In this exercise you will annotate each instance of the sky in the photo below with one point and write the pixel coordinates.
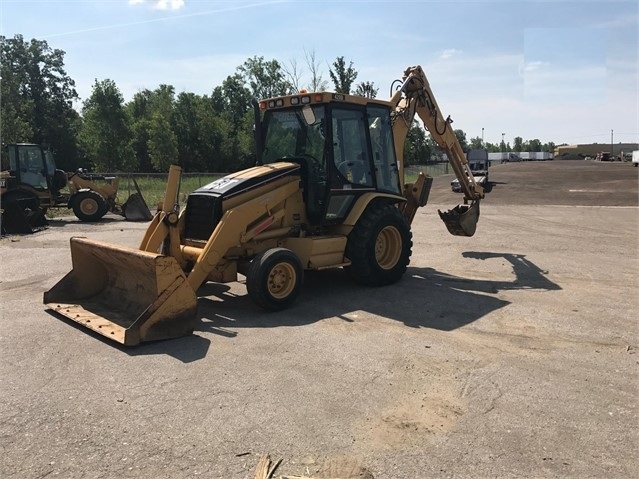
(564, 71)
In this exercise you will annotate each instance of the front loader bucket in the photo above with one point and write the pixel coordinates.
(462, 219)
(125, 294)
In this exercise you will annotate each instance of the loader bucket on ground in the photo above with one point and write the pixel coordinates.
(135, 208)
(125, 294)
(462, 219)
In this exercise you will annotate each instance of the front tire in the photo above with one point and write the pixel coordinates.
(379, 246)
(22, 213)
(89, 206)
(274, 279)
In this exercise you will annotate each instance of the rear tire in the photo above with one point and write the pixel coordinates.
(379, 246)
(274, 279)
(89, 206)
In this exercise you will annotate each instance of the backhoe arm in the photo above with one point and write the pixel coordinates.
(416, 97)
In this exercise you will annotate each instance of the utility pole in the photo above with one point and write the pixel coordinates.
(503, 146)
(612, 152)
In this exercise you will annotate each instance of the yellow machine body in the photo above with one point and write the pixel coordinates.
(335, 198)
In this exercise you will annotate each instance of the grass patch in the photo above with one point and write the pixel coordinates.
(153, 188)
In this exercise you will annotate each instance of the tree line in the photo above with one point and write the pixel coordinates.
(201, 133)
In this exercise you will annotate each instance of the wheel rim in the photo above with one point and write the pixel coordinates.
(281, 280)
(88, 206)
(388, 247)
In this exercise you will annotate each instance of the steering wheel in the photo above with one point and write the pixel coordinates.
(351, 165)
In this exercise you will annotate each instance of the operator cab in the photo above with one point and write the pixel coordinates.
(33, 166)
(345, 149)
(27, 163)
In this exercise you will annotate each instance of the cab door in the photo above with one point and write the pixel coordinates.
(351, 171)
(363, 156)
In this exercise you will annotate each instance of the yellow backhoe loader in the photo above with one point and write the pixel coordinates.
(327, 191)
(30, 184)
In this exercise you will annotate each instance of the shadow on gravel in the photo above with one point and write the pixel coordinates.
(186, 349)
(424, 298)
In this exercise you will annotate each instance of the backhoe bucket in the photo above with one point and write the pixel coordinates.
(125, 294)
(462, 219)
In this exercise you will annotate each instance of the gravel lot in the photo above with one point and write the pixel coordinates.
(509, 354)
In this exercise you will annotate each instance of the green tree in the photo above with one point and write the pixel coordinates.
(476, 143)
(342, 76)
(37, 98)
(436, 153)
(186, 128)
(214, 139)
(150, 112)
(492, 147)
(461, 138)
(162, 143)
(549, 147)
(232, 98)
(264, 79)
(416, 147)
(105, 135)
(534, 145)
(518, 143)
(139, 110)
(366, 89)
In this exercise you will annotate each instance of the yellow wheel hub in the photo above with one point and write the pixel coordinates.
(281, 280)
(388, 247)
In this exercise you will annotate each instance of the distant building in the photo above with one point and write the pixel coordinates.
(591, 149)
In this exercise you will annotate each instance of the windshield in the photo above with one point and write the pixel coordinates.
(291, 133)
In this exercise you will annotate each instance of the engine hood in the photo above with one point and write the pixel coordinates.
(240, 181)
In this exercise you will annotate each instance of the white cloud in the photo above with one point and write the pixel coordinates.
(161, 4)
(532, 66)
(168, 4)
(448, 53)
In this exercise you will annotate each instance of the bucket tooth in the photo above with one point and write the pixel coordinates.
(125, 294)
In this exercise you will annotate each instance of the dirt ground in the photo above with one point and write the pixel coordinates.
(509, 354)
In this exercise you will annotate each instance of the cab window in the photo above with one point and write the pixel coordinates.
(383, 149)
(350, 148)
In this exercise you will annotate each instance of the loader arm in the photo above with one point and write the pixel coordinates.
(415, 97)
(240, 225)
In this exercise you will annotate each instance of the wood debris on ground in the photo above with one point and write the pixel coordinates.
(266, 467)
